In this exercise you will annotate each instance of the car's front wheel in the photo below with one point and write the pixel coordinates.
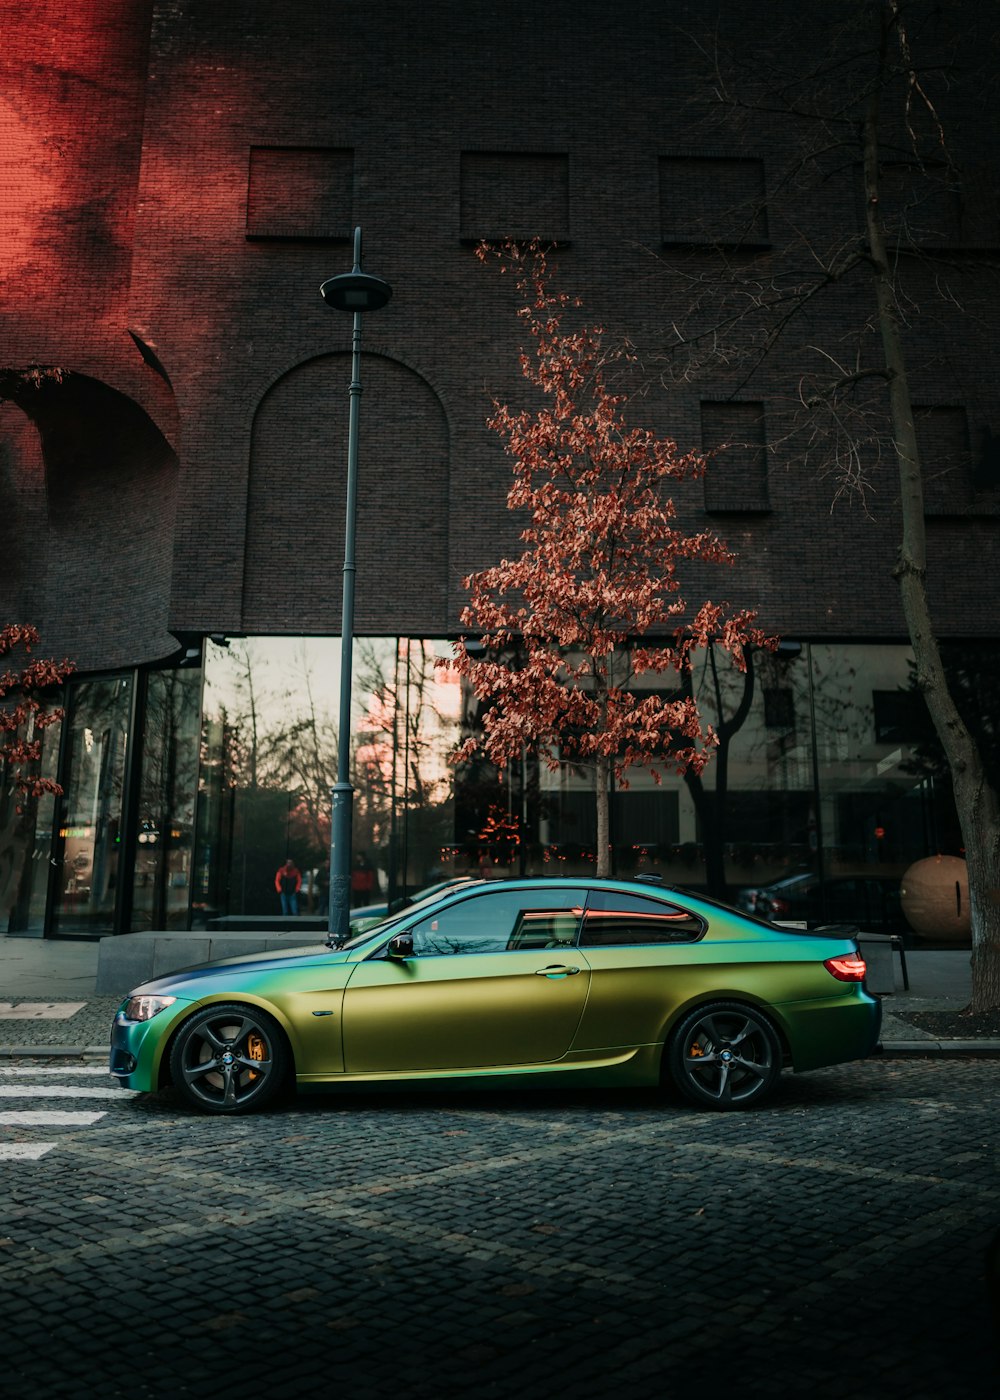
(229, 1059)
(725, 1055)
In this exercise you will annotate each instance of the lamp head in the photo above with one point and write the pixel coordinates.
(356, 290)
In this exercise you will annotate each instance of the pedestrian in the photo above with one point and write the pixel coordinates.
(288, 882)
(362, 880)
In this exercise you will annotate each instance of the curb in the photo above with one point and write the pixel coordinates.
(900, 1049)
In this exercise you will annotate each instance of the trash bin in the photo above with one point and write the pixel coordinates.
(876, 949)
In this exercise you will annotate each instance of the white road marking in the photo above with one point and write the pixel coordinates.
(26, 1084)
(48, 1118)
(24, 1151)
(56, 1091)
(40, 1010)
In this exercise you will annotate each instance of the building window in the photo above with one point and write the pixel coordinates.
(986, 467)
(945, 459)
(920, 204)
(299, 192)
(900, 717)
(713, 201)
(736, 477)
(779, 707)
(980, 207)
(511, 194)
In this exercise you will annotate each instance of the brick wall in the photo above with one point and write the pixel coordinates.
(189, 207)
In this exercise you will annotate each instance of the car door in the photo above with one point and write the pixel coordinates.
(494, 980)
(643, 964)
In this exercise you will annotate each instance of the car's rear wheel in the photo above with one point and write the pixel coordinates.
(230, 1059)
(725, 1055)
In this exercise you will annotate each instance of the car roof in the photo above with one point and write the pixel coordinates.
(648, 885)
(626, 884)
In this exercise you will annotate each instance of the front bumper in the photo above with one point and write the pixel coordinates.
(137, 1047)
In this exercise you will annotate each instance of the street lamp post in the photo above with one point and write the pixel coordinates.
(357, 292)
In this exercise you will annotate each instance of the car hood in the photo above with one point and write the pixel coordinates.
(181, 981)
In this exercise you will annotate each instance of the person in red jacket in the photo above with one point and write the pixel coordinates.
(288, 882)
(362, 880)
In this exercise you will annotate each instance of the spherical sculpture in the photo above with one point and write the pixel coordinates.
(935, 898)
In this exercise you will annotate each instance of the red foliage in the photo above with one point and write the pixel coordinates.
(24, 711)
(594, 600)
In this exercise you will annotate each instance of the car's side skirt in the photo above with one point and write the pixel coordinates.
(638, 1066)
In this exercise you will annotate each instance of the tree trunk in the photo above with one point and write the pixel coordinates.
(975, 800)
(709, 810)
(601, 794)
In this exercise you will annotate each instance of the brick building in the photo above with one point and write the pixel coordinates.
(179, 179)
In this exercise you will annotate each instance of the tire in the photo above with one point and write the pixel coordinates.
(725, 1056)
(230, 1059)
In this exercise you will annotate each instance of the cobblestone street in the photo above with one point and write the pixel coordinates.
(574, 1245)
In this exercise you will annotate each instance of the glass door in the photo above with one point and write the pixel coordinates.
(88, 838)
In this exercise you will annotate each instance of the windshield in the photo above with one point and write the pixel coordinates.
(385, 925)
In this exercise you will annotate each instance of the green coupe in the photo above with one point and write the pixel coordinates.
(525, 982)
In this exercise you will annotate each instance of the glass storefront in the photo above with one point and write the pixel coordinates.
(269, 757)
(112, 853)
(87, 848)
(163, 825)
(184, 791)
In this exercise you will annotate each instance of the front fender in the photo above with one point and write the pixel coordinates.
(160, 1066)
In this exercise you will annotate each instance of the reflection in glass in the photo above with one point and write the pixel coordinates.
(269, 756)
(821, 783)
(88, 837)
(817, 780)
(165, 817)
(26, 845)
(874, 815)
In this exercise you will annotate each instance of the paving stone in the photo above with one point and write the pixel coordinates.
(515, 1247)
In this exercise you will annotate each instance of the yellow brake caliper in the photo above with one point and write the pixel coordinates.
(255, 1049)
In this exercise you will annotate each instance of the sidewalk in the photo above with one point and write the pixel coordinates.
(56, 978)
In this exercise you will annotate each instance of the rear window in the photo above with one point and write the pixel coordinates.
(619, 920)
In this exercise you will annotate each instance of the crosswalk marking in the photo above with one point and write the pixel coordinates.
(56, 1091)
(48, 1117)
(40, 1107)
(24, 1151)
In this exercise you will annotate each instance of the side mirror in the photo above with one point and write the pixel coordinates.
(400, 946)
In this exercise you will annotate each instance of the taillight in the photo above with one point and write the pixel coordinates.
(779, 907)
(849, 968)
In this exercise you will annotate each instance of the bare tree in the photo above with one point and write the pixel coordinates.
(864, 102)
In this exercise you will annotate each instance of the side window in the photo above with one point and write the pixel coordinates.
(614, 920)
(507, 920)
(545, 928)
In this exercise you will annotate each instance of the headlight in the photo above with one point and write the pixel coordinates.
(144, 1008)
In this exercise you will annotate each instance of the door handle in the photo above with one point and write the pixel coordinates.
(559, 970)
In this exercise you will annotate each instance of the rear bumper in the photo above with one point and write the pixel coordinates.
(833, 1031)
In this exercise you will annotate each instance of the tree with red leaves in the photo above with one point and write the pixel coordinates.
(24, 712)
(594, 600)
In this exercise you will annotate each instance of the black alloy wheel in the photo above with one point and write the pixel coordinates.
(229, 1059)
(725, 1056)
